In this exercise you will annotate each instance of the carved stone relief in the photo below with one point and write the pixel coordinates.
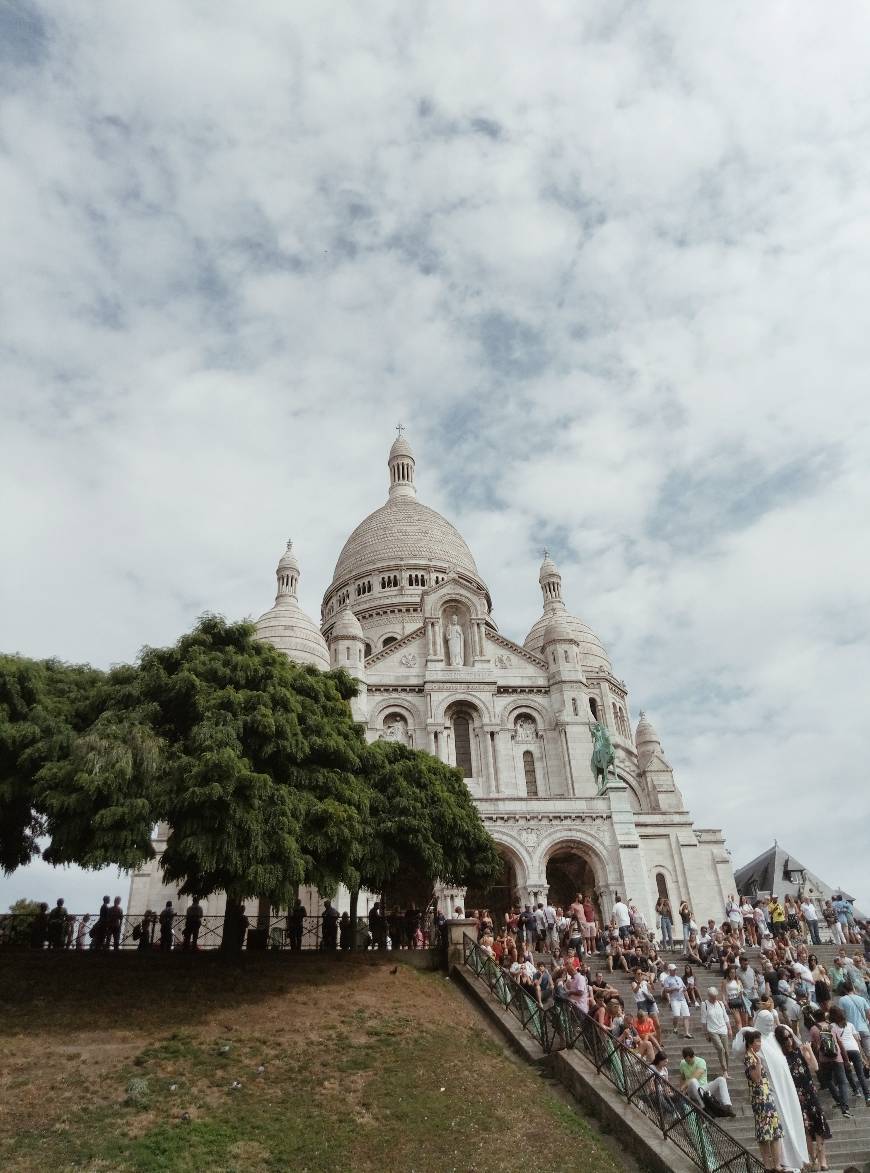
(409, 660)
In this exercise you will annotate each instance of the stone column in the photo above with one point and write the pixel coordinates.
(456, 933)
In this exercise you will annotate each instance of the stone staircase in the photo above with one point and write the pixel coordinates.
(850, 1140)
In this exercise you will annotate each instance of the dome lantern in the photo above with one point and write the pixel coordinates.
(287, 574)
(551, 585)
(401, 465)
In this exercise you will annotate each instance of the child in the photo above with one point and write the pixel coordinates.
(692, 995)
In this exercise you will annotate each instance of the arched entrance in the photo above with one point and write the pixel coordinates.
(499, 897)
(569, 872)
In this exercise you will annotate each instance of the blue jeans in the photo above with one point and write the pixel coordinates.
(813, 926)
(667, 932)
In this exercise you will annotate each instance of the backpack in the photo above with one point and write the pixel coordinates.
(828, 1048)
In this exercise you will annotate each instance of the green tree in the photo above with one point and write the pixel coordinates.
(255, 763)
(44, 707)
(16, 925)
(423, 826)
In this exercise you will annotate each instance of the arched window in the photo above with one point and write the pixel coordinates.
(462, 742)
(347, 653)
(368, 650)
(383, 584)
(410, 580)
(662, 887)
(422, 580)
(593, 707)
(574, 706)
(388, 639)
(531, 776)
(359, 656)
(565, 654)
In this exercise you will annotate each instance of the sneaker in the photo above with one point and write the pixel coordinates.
(847, 1114)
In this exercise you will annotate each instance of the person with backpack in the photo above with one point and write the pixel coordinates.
(827, 1045)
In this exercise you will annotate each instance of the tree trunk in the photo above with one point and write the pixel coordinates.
(231, 941)
(264, 913)
(354, 899)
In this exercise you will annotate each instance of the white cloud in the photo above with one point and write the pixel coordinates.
(611, 267)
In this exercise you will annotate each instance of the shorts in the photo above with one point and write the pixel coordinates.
(680, 1008)
(588, 930)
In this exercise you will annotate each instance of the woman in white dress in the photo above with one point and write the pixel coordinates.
(794, 1141)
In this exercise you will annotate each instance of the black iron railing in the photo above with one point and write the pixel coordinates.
(563, 1025)
(16, 930)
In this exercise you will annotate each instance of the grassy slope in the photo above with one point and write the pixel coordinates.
(104, 1057)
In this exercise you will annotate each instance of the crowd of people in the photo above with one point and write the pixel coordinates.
(798, 1027)
(169, 929)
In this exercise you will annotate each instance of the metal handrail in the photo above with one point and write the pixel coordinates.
(563, 1025)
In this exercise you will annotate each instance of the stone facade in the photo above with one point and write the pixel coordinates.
(409, 616)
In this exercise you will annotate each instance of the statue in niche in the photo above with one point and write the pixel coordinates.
(455, 643)
(526, 729)
(395, 729)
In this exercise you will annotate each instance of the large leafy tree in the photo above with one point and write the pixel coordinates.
(254, 762)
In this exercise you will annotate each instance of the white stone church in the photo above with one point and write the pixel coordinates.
(409, 615)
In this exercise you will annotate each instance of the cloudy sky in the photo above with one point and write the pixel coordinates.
(611, 267)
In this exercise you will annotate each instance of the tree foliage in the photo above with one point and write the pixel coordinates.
(254, 762)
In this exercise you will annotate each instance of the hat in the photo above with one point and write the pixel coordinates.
(713, 990)
(672, 966)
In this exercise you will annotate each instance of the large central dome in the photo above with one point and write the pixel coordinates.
(403, 531)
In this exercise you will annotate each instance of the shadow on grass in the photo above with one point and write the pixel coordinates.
(51, 990)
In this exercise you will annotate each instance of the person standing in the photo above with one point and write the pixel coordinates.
(192, 923)
(675, 991)
(329, 919)
(577, 990)
(114, 920)
(552, 940)
(716, 1023)
(666, 921)
(166, 918)
(857, 1011)
(296, 925)
(57, 926)
(777, 916)
(82, 932)
(39, 927)
(850, 1042)
(768, 1129)
(831, 1058)
(816, 1126)
(101, 928)
(344, 935)
(808, 910)
(622, 917)
(794, 1141)
(146, 931)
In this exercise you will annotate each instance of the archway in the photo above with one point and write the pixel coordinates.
(569, 872)
(499, 897)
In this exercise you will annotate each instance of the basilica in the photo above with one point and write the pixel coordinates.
(409, 615)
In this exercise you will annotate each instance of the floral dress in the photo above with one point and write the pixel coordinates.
(767, 1125)
(815, 1122)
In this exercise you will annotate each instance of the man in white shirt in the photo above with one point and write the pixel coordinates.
(717, 1024)
(674, 989)
(812, 919)
(623, 919)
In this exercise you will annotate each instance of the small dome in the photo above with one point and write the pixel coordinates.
(347, 626)
(287, 628)
(645, 733)
(401, 447)
(548, 568)
(592, 653)
(557, 629)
